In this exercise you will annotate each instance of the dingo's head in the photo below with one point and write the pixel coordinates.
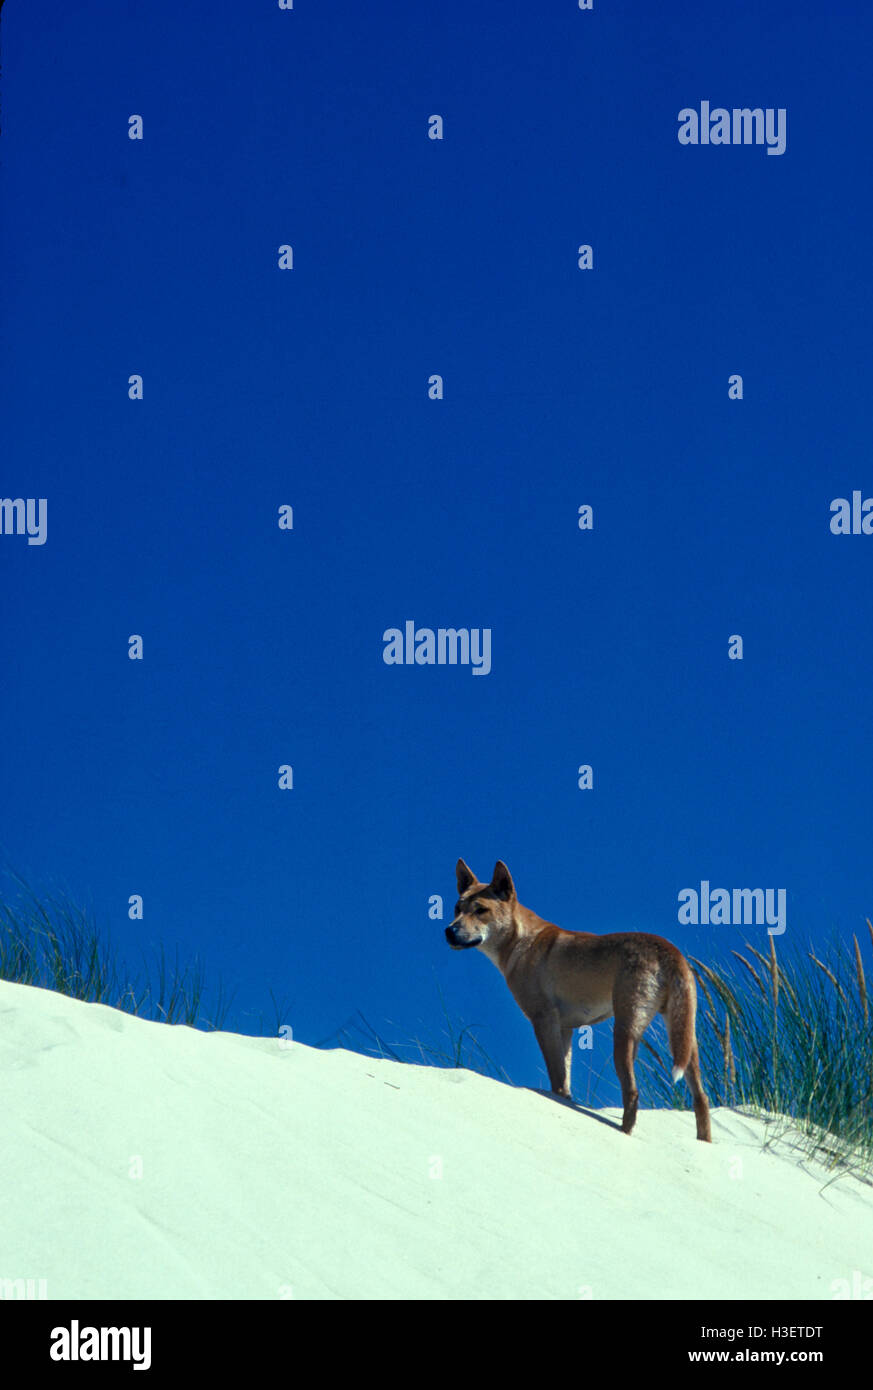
(482, 909)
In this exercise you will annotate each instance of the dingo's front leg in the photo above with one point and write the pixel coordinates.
(556, 1047)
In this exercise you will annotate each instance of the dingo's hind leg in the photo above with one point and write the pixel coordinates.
(624, 1048)
(701, 1104)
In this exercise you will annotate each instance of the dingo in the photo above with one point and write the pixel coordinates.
(562, 980)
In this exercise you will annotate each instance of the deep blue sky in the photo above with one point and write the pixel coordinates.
(309, 387)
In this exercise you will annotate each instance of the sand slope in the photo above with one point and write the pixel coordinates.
(270, 1172)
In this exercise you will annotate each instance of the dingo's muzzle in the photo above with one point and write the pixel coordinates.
(458, 942)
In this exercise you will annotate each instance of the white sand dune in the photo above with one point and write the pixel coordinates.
(270, 1172)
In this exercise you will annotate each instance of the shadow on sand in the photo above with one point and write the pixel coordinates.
(574, 1105)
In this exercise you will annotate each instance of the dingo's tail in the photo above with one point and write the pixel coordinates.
(681, 1013)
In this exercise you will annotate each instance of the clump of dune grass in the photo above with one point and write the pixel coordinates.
(49, 941)
(457, 1045)
(786, 1033)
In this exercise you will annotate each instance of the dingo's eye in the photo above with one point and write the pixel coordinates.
(480, 910)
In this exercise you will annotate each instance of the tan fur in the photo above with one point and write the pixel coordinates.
(562, 980)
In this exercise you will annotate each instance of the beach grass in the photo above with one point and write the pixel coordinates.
(47, 940)
(457, 1044)
(784, 1032)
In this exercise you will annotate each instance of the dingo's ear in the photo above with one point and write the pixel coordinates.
(501, 882)
(465, 876)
